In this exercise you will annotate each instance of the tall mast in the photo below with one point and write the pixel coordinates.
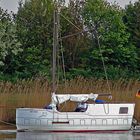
(55, 43)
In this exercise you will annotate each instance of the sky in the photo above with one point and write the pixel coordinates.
(11, 5)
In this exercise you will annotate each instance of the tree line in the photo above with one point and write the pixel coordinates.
(90, 30)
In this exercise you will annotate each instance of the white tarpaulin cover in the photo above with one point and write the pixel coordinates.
(61, 98)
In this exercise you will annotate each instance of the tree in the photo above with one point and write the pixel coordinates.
(34, 30)
(75, 45)
(9, 44)
(105, 23)
(132, 21)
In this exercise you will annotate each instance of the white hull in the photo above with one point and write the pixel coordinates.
(97, 117)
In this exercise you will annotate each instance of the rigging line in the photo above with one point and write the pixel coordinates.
(63, 62)
(63, 69)
(74, 34)
(59, 46)
(57, 53)
(58, 71)
(103, 62)
(70, 22)
(7, 123)
(106, 110)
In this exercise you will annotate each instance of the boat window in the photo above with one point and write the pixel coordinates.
(48, 106)
(81, 107)
(123, 110)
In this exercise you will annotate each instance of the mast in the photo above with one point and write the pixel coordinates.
(55, 43)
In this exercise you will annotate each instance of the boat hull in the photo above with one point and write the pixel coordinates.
(98, 117)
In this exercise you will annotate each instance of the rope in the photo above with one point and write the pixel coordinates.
(103, 62)
(62, 55)
(63, 62)
(106, 111)
(63, 69)
(58, 77)
(74, 34)
(70, 22)
(7, 123)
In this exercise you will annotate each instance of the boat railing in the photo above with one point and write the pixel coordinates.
(113, 102)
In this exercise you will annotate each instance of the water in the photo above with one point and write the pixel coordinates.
(13, 135)
(10, 133)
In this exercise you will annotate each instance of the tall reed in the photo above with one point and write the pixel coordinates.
(37, 93)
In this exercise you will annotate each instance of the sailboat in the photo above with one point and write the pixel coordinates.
(87, 117)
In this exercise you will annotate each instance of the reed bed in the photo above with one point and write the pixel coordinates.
(37, 93)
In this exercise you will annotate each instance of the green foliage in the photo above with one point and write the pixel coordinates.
(74, 46)
(132, 21)
(10, 47)
(101, 30)
(73, 73)
(34, 30)
(105, 22)
(9, 44)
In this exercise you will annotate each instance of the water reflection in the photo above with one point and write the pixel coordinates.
(13, 135)
(74, 136)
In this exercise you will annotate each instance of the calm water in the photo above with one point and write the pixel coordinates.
(13, 135)
(9, 133)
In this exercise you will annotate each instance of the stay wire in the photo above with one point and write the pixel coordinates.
(105, 70)
(63, 69)
(58, 53)
(7, 123)
(63, 61)
(70, 22)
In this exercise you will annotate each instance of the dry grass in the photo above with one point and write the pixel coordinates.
(36, 93)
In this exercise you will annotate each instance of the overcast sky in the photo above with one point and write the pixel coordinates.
(12, 5)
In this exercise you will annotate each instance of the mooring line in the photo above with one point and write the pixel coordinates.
(12, 124)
